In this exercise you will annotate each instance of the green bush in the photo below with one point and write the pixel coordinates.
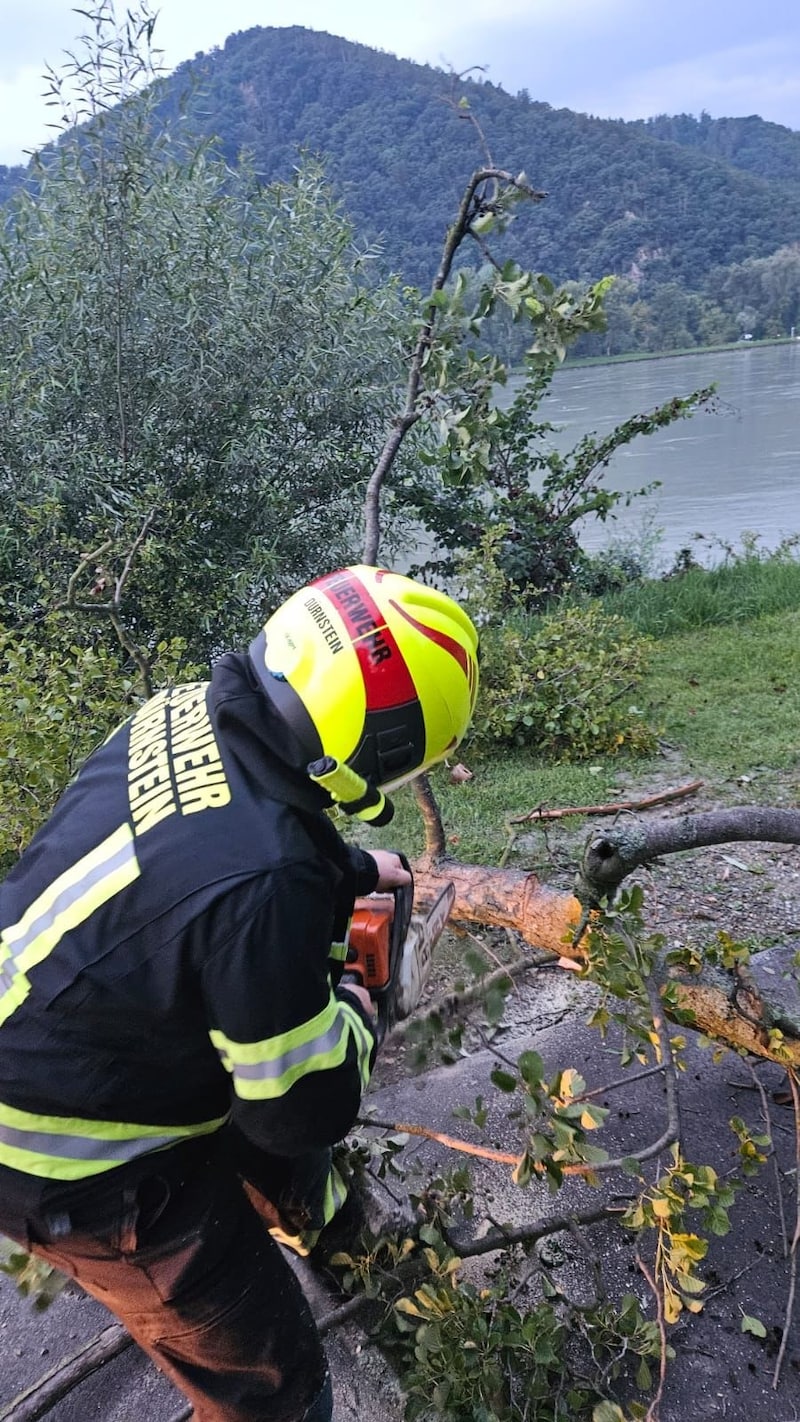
(57, 702)
(565, 685)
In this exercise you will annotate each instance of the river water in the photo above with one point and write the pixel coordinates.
(722, 473)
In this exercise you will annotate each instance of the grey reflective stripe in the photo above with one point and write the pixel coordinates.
(68, 896)
(8, 973)
(83, 1147)
(278, 1066)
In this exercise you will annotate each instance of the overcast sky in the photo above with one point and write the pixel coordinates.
(614, 58)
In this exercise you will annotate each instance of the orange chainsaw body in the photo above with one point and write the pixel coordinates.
(390, 948)
(370, 941)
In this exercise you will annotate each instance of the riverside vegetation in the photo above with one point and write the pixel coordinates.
(196, 374)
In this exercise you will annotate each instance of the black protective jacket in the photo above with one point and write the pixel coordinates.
(166, 957)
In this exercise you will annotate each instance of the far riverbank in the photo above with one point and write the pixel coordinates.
(729, 347)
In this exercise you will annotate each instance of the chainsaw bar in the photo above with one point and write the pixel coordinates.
(424, 931)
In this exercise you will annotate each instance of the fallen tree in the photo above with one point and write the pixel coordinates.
(721, 1001)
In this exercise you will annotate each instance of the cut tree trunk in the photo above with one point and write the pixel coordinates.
(725, 1005)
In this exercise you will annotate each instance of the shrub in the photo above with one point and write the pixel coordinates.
(562, 682)
(58, 701)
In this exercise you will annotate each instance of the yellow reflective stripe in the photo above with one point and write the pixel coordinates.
(338, 951)
(335, 1195)
(272, 1049)
(71, 1148)
(363, 1040)
(72, 898)
(266, 1070)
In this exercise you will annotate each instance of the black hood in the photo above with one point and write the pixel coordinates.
(260, 739)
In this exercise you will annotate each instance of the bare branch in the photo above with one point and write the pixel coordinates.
(759, 1086)
(472, 204)
(530, 1234)
(652, 1411)
(431, 817)
(136, 545)
(608, 858)
(787, 1325)
(613, 807)
(94, 557)
(112, 605)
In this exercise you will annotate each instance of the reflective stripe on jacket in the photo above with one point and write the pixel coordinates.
(164, 947)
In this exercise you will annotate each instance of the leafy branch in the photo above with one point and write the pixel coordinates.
(488, 195)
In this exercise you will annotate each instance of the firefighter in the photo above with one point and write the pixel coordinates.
(177, 1053)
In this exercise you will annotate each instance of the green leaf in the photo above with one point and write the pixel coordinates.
(531, 1068)
(608, 1412)
(644, 1377)
(753, 1325)
(503, 1080)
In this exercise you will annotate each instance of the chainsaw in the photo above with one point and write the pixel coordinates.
(390, 948)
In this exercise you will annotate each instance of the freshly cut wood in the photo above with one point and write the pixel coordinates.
(504, 898)
(724, 1005)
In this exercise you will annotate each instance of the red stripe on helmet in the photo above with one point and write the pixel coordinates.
(442, 640)
(387, 680)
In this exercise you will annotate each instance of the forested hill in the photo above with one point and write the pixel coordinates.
(399, 150)
(674, 204)
(751, 143)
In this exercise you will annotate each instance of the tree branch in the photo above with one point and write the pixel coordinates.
(472, 204)
(613, 807)
(787, 1325)
(608, 858)
(713, 1000)
(431, 817)
(112, 606)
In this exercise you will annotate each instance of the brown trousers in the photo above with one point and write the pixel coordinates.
(180, 1252)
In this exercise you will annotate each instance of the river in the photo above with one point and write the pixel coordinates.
(721, 473)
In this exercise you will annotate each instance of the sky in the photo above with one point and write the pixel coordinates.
(612, 58)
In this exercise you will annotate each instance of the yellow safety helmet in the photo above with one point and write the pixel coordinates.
(373, 672)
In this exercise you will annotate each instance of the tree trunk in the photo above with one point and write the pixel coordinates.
(726, 1005)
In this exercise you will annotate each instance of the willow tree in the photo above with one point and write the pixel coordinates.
(181, 344)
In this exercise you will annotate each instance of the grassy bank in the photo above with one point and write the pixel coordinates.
(723, 693)
(740, 592)
(729, 697)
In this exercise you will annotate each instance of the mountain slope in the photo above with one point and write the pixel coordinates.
(752, 144)
(399, 150)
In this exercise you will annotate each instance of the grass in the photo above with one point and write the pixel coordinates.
(747, 589)
(475, 814)
(729, 696)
